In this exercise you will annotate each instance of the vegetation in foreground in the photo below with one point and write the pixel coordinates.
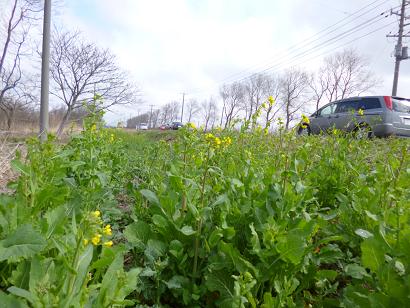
(229, 219)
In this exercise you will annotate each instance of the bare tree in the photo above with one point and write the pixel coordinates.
(20, 19)
(273, 90)
(193, 108)
(80, 70)
(346, 74)
(169, 112)
(209, 112)
(233, 97)
(293, 85)
(256, 89)
(319, 84)
(155, 118)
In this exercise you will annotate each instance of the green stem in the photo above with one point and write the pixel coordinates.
(199, 227)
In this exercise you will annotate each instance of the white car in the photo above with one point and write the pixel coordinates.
(142, 126)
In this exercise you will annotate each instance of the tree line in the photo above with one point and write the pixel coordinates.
(79, 70)
(341, 75)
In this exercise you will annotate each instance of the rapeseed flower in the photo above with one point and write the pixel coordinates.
(191, 125)
(96, 239)
(360, 112)
(305, 119)
(96, 213)
(108, 244)
(107, 230)
(271, 100)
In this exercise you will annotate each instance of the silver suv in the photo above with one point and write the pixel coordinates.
(379, 116)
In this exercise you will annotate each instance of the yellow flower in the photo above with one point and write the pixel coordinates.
(96, 239)
(303, 126)
(227, 140)
(209, 136)
(334, 131)
(111, 138)
(264, 105)
(360, 112)
(108, 244)
(191, 125)
(85, 242)
(93, 127)
(107, 230)
(271, 100)
(217, 141)
(96, 214)
(305, 119)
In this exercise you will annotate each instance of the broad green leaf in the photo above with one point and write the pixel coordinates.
(291, 246)
(222, 283)
(372, 253)
(356, 271)
(18, 166)
(138, 234)
(155, 249)
(151, 196)
(326, 274)
(363, 233)
(109, 283)
(187, 230)
(23, 243)
(22, 293)
(8, 300)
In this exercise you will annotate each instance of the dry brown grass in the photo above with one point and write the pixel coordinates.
(7, 154)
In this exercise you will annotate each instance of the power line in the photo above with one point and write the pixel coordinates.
(316, 37)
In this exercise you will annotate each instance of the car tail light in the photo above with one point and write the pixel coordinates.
(389, 102)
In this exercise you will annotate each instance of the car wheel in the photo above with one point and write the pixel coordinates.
(304, 130)
(363, 131)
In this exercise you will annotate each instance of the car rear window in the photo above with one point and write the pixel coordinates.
(369, 103)
(401, 105)
(356, 104)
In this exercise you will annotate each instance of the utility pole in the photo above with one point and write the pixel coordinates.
(45, 71)
(400, 52)
(150, 117)
(183, 102)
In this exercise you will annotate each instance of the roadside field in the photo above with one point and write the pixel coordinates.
(208, 219)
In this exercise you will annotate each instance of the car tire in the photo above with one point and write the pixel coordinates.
(363, 131)
(304, 131)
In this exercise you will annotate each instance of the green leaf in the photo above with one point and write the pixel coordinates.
(23, 243)
(356, 271)
(151, 196)
(372, 253)
(22, 293)
(155, 249)
(160, 221)
(109, 283)
(138, 234)
(187, 230)
(363, 233)
(223, 284)
(326, 274)
(18, 166)
(291, 247)
(10, 301)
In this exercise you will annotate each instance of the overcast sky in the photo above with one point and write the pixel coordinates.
(193, 46)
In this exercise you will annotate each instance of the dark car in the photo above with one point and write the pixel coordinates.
(379, 116)
(176, 125)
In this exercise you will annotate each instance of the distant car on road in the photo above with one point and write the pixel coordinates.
(368, 116)
(142, 126)
(176, 125)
